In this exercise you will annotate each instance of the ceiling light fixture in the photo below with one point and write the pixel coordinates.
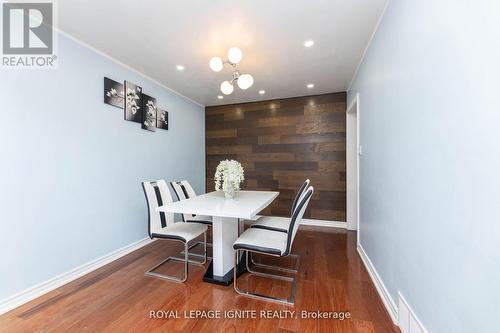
(309, 43)
(220, 97)
(245, 81)
(179, 67)
(234, 56)
(310, 86)
(262, 92)
(226, 87)
(216, 64)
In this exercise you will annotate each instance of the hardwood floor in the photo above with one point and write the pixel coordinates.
(119, 298)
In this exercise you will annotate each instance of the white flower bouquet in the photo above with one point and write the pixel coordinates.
(228, 177)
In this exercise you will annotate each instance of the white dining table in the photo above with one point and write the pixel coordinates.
(226, 215)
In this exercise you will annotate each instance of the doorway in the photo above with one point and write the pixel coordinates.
(352, 164)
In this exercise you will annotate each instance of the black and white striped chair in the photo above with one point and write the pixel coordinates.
(271, 243)
(162, 226)
(183, 190)
(281, 224)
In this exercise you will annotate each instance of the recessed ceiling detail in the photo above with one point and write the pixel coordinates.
(309, 43)
(270, 33)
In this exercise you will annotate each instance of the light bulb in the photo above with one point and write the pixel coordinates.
(234, 55)
(226, 87)
(216, 64)
(309, 43)
(245, 81)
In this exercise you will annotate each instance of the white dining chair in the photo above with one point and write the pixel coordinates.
(271, 243)
(162, 226)
(183, 190)
(281, 224)
(277, 223)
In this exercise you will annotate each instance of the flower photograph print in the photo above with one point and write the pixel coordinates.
(133, 102)
(113, 93)
(148, 113)
(161, 119)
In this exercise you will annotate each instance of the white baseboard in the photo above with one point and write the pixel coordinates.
(389, 303)
(408, 321)
(38, 290)
(324, 223)
(313, 223)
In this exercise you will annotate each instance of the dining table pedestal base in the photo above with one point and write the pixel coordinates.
(225, 280)
(225, 231)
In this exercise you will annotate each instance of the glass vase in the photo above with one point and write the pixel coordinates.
(229, 192)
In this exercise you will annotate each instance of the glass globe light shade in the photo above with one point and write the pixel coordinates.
(245, 81)
(216, 64)
(234, 55)
(226, 87)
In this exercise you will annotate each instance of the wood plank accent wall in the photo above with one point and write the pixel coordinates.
(282, 142)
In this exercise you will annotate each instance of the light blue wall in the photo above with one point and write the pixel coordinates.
(430, 170)
(71, 167)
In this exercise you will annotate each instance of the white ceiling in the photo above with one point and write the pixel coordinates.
(155, 36)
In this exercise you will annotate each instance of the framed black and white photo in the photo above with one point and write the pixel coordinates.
(113, 93)
(148, 113)
(161, 119)
(133, 102)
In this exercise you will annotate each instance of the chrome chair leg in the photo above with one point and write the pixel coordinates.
(185, 260)
(197, 254)
(286, 301)
(205, 246)
(204, 256)
(278, 268)
(152, 273)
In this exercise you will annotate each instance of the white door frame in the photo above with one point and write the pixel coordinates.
(354, 108)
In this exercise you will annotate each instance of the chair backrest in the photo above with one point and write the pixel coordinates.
(157, 194)
(183, 190)
(297, 214)
(299, 193)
